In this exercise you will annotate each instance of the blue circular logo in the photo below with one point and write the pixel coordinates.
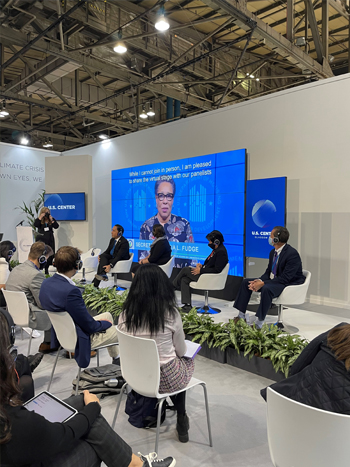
(263, 213)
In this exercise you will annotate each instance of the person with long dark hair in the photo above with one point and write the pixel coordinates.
(46, 224)
(7, 249)
(86, 440)
(150, 311)
(160, 252)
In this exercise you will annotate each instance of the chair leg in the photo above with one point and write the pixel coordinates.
(118, 405)
(21, 334)
(30, 341)
(78, 379)
(282, 326)
(160, 405)
(116, 286)
(204, 386)
(98, 357)
(206, 309)
(53, 369)
(83, 280)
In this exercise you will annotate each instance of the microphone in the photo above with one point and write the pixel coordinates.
(20, 223)
(93, 252)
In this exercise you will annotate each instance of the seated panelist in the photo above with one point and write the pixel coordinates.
(160, 249)
(214, 264)
(284, 269)
(117, 250)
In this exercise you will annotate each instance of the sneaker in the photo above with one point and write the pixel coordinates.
(151, 460)
(101, 277)
(34, 360)
(182, 427)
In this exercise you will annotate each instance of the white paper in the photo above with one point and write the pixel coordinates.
(192, 349)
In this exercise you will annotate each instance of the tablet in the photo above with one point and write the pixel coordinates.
(50, 407)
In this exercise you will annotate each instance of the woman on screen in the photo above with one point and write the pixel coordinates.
(45, 224)
(160, 249)
(150, 312)
(86, 440)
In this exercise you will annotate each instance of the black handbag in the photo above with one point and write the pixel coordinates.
(143, 410)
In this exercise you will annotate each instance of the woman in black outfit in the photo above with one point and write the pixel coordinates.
(45, 224)
(160, 249)
(29, 440)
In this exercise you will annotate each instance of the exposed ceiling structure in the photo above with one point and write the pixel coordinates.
(61, 81)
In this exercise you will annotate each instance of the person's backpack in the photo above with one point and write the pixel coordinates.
(143, 410)
(104, 380)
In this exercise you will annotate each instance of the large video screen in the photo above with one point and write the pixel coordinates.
(190, 198)
(66, 206)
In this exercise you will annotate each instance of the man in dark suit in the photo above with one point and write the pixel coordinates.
(214, 264)
(59, 293)
(284, 269)
(117, 250)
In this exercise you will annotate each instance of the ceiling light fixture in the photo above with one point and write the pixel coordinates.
(257, 79)
(120, 47)
(103, 136)
(151, 112)
(3, 111)
(143, 113)
(24, 140)
(162, 24)
(251, 76)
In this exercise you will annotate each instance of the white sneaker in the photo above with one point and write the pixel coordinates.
(29, 331)
(151, 460)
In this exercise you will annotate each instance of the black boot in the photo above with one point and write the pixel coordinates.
(182, 427)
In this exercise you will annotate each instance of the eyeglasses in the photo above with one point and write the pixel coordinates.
(168, 196)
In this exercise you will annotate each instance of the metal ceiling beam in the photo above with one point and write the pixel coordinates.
(273, 39)
(314, 30)
(47, 134)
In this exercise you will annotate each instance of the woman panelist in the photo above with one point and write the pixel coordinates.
(45, 224)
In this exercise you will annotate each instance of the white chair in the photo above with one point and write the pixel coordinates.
(18, 307)
(90, 261)
(303, 436)
(64, 327)
(168, 267)
(123, 266)
(210, 282)
(292, 295)
(140, 367)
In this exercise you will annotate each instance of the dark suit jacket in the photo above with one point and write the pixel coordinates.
(160, 252)
(121, 251)
(217, 262)
(289, 268)
(57, 294)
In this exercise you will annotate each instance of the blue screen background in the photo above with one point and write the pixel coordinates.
(54, 200)
(210, 197)
(266, 208)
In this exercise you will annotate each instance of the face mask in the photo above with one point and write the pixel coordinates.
(211, 245)
(271, 242)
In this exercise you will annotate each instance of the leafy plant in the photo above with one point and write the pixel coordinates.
(104, 300)
(14, 263)
(32, 209)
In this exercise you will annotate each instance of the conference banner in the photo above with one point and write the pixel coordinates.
(265, 208)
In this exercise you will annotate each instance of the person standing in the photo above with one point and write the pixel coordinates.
(117, 250)
(45, 224)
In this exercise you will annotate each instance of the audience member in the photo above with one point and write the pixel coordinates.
(86, 440)
(45, 224)
(7, 250)
(28, 278)
(59, 293)
(117, 250)
(150, 312)
(160, 249)
(214, 264)
(284, 269)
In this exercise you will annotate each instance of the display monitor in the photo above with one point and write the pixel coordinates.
(192, 197)
(66, 206)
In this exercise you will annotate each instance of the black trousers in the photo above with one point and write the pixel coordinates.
(105, 260)
(179, 402)
(268, 292)
(182, 281)
(101, 443)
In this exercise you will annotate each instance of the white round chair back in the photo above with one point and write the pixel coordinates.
(91, 261)
(18, 307)
(123, 266)
(168, 267)
(64, 327)
(303, 436)
(294, 294)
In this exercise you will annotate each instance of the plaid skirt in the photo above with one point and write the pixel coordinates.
(176, 374)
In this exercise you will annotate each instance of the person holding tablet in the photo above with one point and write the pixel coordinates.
(85, 440)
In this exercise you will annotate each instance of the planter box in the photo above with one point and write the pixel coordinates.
(213, 354)
(257, 365)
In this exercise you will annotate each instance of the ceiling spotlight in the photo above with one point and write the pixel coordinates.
(151, 112)
(2, 116)
(24, 140)
(162, 23)
(251, 76)
(300, 41)
(143, 113)
(103, 136)
(3, 111)
(257, 79)
(120, 47)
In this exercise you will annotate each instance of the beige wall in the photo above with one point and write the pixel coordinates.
(69, 175)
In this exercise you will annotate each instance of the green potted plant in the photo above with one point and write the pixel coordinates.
(104, 300)
(32, 210)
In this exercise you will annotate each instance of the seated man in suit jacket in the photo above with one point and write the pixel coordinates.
(117, 250)
(284, 269)
(214, 264)
(59, 293)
